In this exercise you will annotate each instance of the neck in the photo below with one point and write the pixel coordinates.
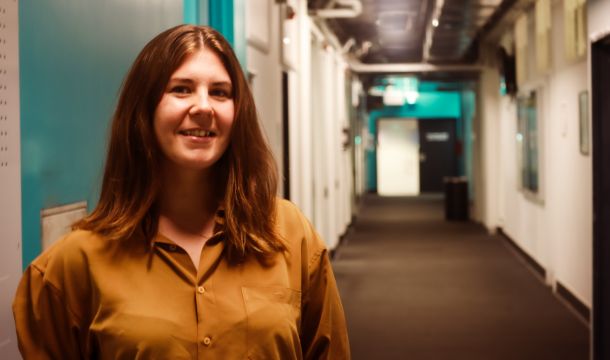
(187, 201)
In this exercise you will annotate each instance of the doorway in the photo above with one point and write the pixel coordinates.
(437, 153)
(397, 157)
(600, 73)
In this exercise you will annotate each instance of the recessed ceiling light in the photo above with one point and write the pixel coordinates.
(435, 22)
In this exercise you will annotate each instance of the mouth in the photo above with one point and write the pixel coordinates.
(197, 133)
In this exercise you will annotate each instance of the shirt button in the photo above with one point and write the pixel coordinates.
(201, 290)
(207, 341)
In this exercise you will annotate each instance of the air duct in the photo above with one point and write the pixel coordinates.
(349, 9)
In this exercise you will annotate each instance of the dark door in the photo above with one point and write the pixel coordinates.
(600, 67)
(437, 157)
(285, 136)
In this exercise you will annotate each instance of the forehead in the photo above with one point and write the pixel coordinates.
(204, 63)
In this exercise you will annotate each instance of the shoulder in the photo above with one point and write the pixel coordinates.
(287, 211)
(58, 281)
(290, 219)
(294, 227)
(68, 257)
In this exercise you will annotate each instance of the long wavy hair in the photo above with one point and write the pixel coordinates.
(246, 174)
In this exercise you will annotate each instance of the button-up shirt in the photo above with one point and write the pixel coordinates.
(90, 297)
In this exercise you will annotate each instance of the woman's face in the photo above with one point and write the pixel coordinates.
(194, 118)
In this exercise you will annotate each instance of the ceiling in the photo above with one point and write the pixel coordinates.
(411, 31)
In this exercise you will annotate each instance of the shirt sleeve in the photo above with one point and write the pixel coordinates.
(46, 328)
(324, 330)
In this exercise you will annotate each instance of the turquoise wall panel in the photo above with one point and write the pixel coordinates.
(73, 57)
(221, 18)
(191, 12)
(430, 105)
(228, 17)
(196, 12)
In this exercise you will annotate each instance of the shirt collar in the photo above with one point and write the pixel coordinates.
(217, 236)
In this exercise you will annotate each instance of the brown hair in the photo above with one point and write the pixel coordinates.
(246, 173)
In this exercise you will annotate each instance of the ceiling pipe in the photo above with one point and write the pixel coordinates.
(348, 45)
(351, 8)
(361, 68)
(436, 14)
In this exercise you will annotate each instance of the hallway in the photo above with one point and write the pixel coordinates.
(417, 287)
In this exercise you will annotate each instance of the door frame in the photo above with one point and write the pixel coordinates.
(600, 51)
(286, 134)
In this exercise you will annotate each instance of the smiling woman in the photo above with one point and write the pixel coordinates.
(193, 120)
(188, 254)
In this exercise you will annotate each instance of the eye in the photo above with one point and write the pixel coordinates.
(180, 89)
(221, 93)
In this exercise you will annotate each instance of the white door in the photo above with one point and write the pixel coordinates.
(319, 140)
(397, 157)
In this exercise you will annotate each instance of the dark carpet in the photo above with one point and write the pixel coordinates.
(415, 286)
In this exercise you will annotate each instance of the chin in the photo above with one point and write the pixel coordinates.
(191, 164)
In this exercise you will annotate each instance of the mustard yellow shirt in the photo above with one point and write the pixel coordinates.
(90, 298)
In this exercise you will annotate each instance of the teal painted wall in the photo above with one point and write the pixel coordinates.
(229, 17)
(429, 105)
(191, 12)
(73, 57)
(196, 12)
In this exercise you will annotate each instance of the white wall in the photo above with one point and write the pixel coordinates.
(488, 187)
(303, 126)
(263, 60)
(10, 178)
(344, 156)
(320, 170)
(555, 228)
(318, 139)
(598, 17)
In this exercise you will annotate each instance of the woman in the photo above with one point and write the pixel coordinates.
(188, 254)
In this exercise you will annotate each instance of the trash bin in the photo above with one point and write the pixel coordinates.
(456, 198)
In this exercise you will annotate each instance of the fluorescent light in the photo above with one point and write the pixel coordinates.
(411, 97)
(393, 96)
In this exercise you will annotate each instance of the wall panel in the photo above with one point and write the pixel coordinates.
(74, 55)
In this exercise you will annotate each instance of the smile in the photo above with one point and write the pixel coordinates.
(197, 133)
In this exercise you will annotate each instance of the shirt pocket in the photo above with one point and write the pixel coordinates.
(273, 318)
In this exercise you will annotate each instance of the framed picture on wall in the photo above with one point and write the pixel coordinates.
(583, 121)
(527, 138)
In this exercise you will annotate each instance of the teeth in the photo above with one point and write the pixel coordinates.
(198, 133)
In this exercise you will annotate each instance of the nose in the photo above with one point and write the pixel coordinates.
(201, 104)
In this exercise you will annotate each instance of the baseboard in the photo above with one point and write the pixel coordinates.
(342, 237)
(562, 292)
(535, 265)
(578, 306)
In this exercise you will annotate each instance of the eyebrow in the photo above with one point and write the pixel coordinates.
(190, 81)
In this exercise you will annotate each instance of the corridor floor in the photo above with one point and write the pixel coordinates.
(415, 286)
